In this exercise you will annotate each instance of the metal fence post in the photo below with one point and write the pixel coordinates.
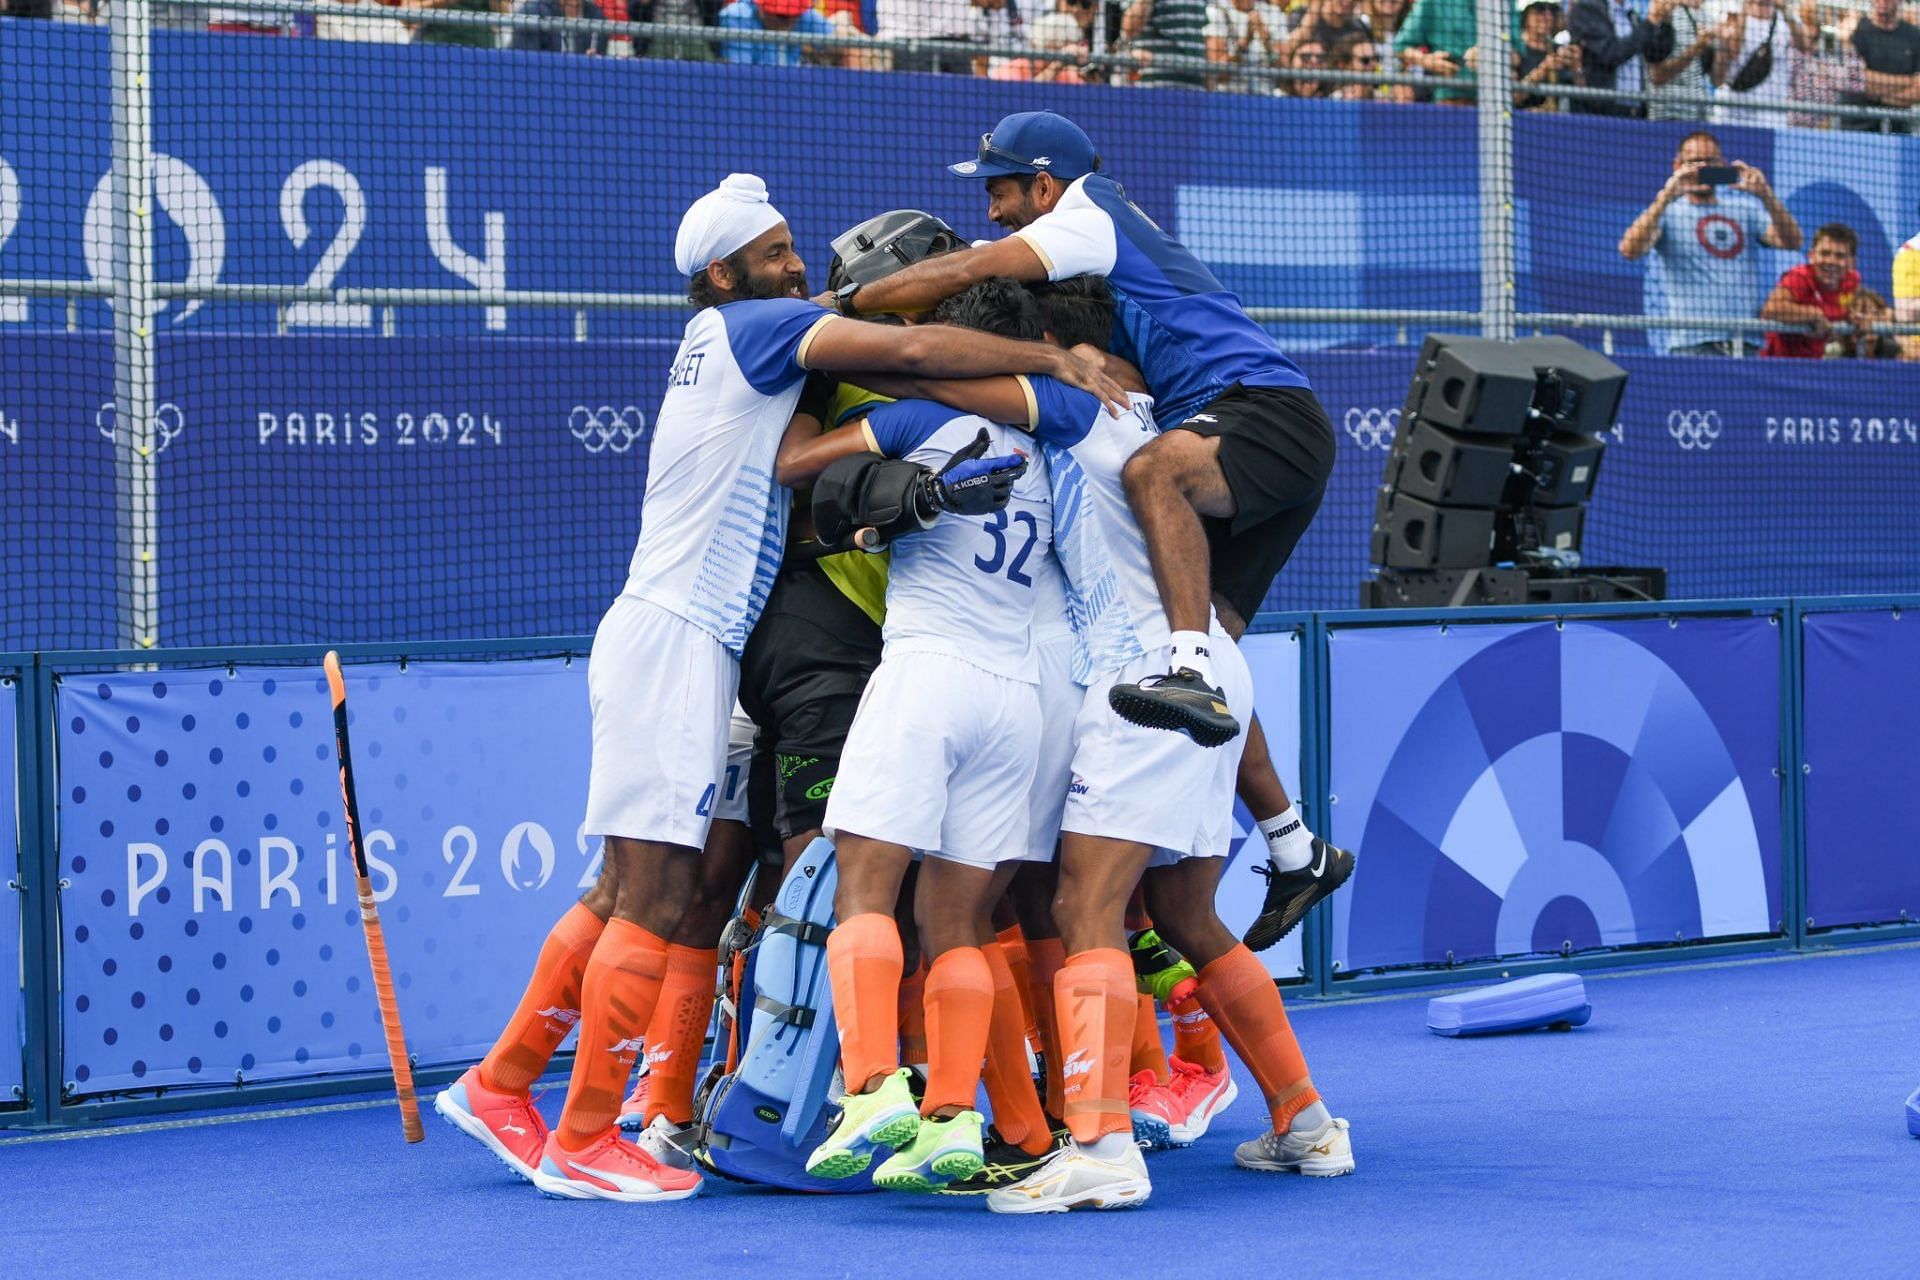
(134, 197)
(40, 877)
(1494, 20)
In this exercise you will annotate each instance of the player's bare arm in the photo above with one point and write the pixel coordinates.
(943, 351)
(924, 285)
(805, 454)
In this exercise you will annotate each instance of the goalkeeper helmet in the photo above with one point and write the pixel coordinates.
(887, 242)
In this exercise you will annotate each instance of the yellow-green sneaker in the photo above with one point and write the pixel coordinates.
(887, 1117)
(1158, 970)
(943, 1152)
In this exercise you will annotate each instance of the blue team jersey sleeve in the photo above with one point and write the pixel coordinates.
(1062, 415)
(897, 429)
(769, 336)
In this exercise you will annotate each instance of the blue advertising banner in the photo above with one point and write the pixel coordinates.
(1275, 660)
(210, 934)
(13, 1007)
(1860, 721)
(434, 488)
(1524, 788)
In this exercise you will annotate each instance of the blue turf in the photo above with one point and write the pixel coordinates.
(1743, 1119)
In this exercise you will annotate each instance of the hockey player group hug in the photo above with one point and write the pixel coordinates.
(1021, 730)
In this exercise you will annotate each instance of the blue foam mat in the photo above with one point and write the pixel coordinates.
(1544, 1000)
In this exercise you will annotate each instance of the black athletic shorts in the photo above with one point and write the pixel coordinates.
(1276, 449)
(805, 666)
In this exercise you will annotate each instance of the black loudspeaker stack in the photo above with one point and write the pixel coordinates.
(1486, 488)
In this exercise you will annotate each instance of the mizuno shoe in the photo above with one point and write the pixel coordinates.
(1155, 1112)
(633, 1112)
(1158, 970)
(610, 1169)
(1200, 1095)
(504, 1123)
(943, 1152)
(1291, 894)
(1181, 701)
(669, 1143)
(1005, 1165)
(1324, 1153)
(1074, 1178)
(887, 1117)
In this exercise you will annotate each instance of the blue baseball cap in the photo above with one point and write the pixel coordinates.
(1032, 142)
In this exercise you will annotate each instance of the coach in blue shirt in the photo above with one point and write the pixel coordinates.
(770, 15)
(1226, 491)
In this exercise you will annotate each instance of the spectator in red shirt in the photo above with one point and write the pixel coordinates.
(1818, 293)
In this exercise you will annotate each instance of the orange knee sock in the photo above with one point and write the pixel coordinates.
(1010, 1091)
(549, 1007)
(913, 1016)
(1195, 1038)
(959, 1014)
(863, 961)
(1013, 947)
(617, 996)
(1149, 1053)
(1045, 956)
(1095, 1002)
(1238, 991)
(678, 1031)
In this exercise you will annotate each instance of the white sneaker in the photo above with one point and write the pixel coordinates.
(669, 1143)
(1324, 1153)
(1074, 1178)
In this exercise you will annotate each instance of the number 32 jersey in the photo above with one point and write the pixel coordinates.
(967, 586)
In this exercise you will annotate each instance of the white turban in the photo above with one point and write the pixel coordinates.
(723, 221)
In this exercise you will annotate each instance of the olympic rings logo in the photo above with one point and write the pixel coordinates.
(168, 423)
(1372, 428)
(606, 429)
(1694, 428)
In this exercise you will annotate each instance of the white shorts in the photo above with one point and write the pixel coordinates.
(940, 759)
(730, 802)
(1153, 786)
(1060, 700)
(661, 689)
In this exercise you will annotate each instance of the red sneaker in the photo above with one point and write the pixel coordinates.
(504, 1123)
(1156, 1112)
(610, 1169)
(1201, 1095)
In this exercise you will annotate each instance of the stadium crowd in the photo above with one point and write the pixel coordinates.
(1669, 52)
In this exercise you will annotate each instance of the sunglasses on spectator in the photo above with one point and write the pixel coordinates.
(990, 152)
(1366, 60)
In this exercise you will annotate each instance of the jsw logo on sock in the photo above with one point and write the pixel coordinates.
(634, 1045)
(657, 1056)
(567, 1016)
(1076, 1064)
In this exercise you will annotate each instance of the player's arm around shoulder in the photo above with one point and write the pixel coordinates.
(805, 453)
(947, 351)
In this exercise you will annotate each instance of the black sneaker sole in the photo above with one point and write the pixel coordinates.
(1139, 706)
(1271, 926)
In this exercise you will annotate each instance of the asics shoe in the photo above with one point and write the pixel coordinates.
(1074, 1178)
(633, 1112)
(1324, 1153)
(1200, 1095)
(1005, 1164)
(1181, 701)
(1155, 1112)
(611, 1169)
(887, 1117)
(504, 1123)
(1158, 970)
(1291, 894)
(669, 1143)
(944, 1151)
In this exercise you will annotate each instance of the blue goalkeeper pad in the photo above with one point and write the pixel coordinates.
(1913, 1113)
(1546, 1000)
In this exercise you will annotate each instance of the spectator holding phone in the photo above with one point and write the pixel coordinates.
(1756, 52)
(1545, 54)
(1436, 38)
(1683, 72)
(1616, 43)
(1705, 229)
(1818, 293)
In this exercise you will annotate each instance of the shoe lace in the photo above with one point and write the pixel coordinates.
(1189, 1078)
(1140, 1087)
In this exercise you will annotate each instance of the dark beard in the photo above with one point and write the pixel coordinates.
(772, 286)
